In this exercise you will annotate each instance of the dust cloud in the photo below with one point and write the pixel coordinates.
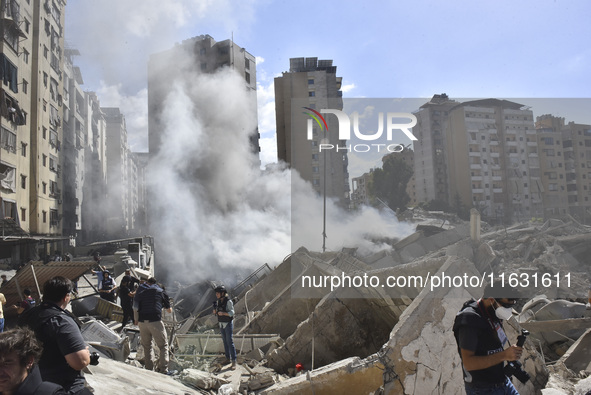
(214, 213)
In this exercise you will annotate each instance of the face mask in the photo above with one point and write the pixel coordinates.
(503, 313)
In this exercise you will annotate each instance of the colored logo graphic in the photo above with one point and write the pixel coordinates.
(318, 118)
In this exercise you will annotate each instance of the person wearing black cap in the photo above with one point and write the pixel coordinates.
(224, 310)
(108, 287)
(481, 340)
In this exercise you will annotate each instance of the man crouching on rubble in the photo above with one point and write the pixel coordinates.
(478, 328)
(65, 352)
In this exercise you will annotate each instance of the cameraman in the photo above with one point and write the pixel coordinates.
(65, 352)
(478, 328)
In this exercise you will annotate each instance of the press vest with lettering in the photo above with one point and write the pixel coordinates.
(221, 306)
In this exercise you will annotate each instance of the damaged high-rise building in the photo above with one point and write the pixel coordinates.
(197, 54)
(314, 85)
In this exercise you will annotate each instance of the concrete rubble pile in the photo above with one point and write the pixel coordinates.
(374, 339)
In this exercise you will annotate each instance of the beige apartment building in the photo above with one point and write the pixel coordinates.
(484, 153)
(312, 83)
(430, 155)
(565, 158)
(31, 150)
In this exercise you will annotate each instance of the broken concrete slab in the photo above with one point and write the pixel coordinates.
(270, 286)
(290, 307)
(425, 360)
(578, 356)
(348, 376)
(200, 379)
(338, 328)
(111, 377)
(98, 335)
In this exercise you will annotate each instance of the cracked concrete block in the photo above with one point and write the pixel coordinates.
(338, 328)
(464, 249)
(348, 376)
(485, 257)
(201, 379)
(412, 252)
(291, 306)
(270, 286)
(422, 352)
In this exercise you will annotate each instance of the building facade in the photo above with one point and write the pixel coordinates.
(565, 161)
(197, 54)
(313, 84)
(482, 154)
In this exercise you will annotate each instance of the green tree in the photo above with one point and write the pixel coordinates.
(389, 182)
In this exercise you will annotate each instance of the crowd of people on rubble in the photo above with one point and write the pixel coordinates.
(46, 353)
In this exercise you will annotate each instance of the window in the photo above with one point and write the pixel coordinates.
(315, 169)
(45, 51)
(23, 181)
(44, 216)
(44, 133)
(247, 64)
(23, 214)
(52, 163)
(247, 77)
(203, 66)
(25, 56)
(311, 94)
(202, 51)
(310, 82)
(45, 78)
(8, 140)
(44, 160)
(23, 149)
(44, 188)
(53, 191)
(9, 73)
(25, 86)
(548, 140)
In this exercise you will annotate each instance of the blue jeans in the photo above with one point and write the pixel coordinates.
(506, 388)
(228, 339)
(1, 325)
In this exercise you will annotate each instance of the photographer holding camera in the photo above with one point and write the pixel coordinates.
(65, 352)
(478, 329)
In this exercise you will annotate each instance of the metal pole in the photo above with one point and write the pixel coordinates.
(324, 201)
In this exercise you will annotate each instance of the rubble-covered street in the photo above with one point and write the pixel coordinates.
(358, 339)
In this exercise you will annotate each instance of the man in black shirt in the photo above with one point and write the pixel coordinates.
(481, 340)
(65, 352)
(149, 301)
(126, 294)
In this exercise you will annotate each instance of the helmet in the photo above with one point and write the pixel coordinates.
(220, 289)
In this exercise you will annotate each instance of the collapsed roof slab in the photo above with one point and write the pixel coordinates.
(270, 286)
(339, 328)
(416, 247)
(578, 356)
(292, 306)
(421, 356)
(348, 376)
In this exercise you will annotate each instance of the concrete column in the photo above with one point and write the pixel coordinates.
(474, 224)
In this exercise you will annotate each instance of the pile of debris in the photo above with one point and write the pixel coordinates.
(301, 328)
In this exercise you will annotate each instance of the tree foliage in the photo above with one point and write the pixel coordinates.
(389, 182)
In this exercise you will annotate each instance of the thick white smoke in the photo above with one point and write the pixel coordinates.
(217, 212)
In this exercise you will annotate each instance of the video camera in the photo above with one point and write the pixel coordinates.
(514, 368)
(94, 358)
